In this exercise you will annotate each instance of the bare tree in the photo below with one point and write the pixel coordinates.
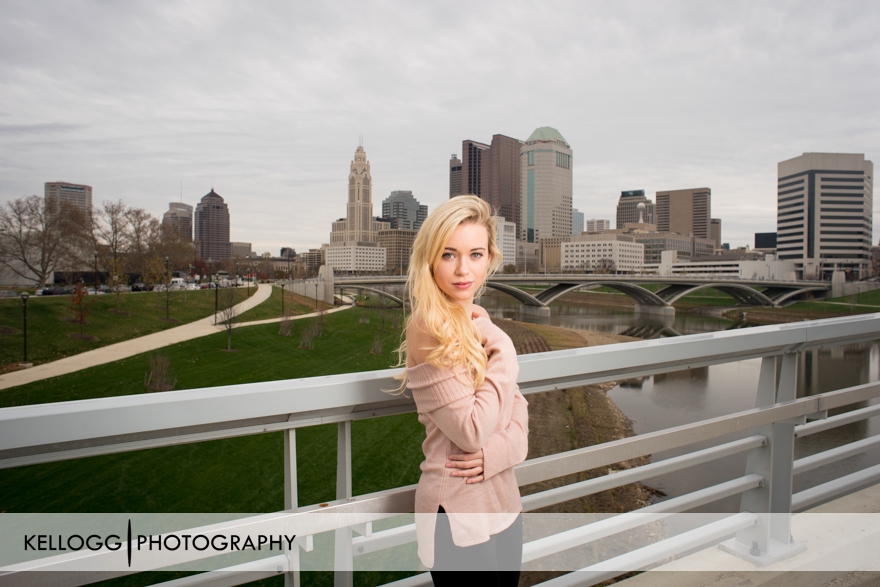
(227, 317)
(37, 238)
(110, 234)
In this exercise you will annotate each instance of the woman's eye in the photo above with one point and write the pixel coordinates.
(476, 255)
(446, 256)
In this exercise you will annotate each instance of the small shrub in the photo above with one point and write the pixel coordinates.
(160, 377)
(364, 318)
(286, 325)
(376, 349)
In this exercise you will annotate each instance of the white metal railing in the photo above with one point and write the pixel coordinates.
(53, 432)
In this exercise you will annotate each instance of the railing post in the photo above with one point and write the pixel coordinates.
(344, 557)
(291, 578)
(771, 539)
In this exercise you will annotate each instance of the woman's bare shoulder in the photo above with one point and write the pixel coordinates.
(419, 342)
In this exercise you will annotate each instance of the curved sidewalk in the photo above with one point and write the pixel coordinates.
(136, 346)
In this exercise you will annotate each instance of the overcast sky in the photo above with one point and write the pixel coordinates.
(266, 101)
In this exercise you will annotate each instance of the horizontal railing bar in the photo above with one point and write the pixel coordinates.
(384, 539)
(839, 486)
(92, 451)
(614, 480)
(616, 451)
(646, 556)
(844, 397)
(620, 523)
(835, 421)
(835, 454)
(164, 414)
(236, 575)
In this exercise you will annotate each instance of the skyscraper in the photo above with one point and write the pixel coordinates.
(178, 220)
(212, 227)
(404, 210)
(545, 189)
(597, 225)
(454, 176)
(474, 168)
(577, 222)
(824, 213)
(628, 208)
(491, 172)
(353, 239)
(686, 212)
(80, 196)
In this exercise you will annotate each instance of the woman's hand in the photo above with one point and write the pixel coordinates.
(467, 465)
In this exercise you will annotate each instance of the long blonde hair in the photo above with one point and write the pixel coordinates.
(444, 319)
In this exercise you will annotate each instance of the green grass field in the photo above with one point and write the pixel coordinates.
(271, 308)
(240, 475)
(50, 326)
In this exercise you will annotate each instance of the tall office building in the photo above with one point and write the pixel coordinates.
(454, 176)
(824, 213)
(545, 189)
(404, 211)
(178, 220)
(80, 196)
(715, 231)
(491, 172)
(474, 169)
(628, 209)
(577, 222)
(597, 225)
(212, 228)
(686, 212)
(397, 243)
(353, 239)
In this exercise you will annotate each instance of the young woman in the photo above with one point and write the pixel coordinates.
(462, 371)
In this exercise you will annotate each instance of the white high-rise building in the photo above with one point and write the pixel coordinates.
(824, 213)
(358, 231)
(545, 187)
(80, 196)
(505, 239)
(598, 225)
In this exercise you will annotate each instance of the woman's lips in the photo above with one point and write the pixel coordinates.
(463, 284)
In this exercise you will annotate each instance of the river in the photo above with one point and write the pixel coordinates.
(671, 399)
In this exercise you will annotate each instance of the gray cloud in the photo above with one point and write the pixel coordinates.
(265, 101)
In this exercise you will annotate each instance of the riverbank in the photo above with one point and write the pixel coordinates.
(572, 418)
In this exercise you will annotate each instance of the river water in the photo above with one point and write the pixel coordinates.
(671, 399)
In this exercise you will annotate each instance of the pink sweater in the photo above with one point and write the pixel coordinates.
(459, 419)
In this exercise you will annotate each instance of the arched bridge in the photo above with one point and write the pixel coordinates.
(745, 292)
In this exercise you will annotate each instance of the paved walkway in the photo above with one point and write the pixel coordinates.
(136, 346)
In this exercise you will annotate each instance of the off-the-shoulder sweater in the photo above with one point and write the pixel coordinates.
(460, 419)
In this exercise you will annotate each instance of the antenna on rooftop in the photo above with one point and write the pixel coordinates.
(361, 140)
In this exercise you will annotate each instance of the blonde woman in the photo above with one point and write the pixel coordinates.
(462, 372)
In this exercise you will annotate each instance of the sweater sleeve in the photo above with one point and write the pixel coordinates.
(509, 447)
(466, 416)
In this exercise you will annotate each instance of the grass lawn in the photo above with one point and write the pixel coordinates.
(50, 326)
(293, 303)
(233, 475)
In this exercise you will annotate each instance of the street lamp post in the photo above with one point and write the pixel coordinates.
(167, 289)
(95, 254)
(316, 295)
(24, 299)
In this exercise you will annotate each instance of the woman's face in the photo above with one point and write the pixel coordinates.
(461, 268)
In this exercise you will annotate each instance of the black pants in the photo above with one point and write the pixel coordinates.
(500, 557)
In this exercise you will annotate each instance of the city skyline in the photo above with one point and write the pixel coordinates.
(134, 118)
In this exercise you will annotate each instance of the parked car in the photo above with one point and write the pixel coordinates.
(122, 288)
(139, 287)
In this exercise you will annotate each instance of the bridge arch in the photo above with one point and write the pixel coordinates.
(544, 298)
(379, 292)
(743, 294)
